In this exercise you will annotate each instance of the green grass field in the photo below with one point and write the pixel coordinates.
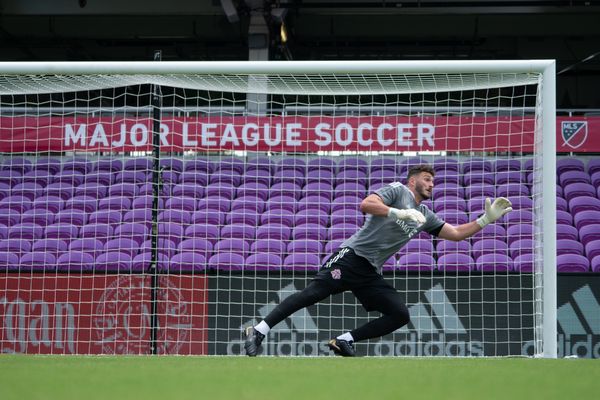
(87, 378)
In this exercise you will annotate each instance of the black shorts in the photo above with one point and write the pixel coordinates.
(345, 270)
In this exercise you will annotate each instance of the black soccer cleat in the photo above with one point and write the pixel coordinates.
(253, 340)
(342, 347)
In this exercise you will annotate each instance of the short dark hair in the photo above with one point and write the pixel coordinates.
(417, 169)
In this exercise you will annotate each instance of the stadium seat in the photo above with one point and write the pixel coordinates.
(237, 246)
(29, 190)
(92, 189)
(187, 190)
(50, 246)
(589, 233)
(595, 264)
(246, 217)
(352, 176)
(507, 165)
(224, 261)
(309, 231)
(568, 164)
(281, 202)
(193, 178)
(274, 231)
(491, 231)
(301, 262)
(61, 230)
(87, 204)
(310, 216)
(584, 203)
(211, 217)
(271, 246)
(38, 217)
(177, 216)
(448, 189)
(260, 176)
(564, 217)
(89, 245)
(523, 263)
(455, 262)
(578, 189)
(305, 246)
(15, 245)
(416, 262)
(112, 217)
(478, 178)
(342, 231)
(141, 262)
(418, 246)
(225, 177)
(584, 218)
(520, 247)
(75, 261)
(253, 190)
(25, 231)
(322, 163)
(220, 190)
(570, 177)
(488, 246)
(445, 247)
(566, 232)
(283, 217)
(353, 164)
(215, 203)
(238, 231)
(37, 261)
(123, 245)
(165, 247)
(347, 216)
(113, 261)
(572, 263)
(263, 262)
(494, 262)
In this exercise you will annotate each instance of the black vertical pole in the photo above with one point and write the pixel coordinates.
(156, 183)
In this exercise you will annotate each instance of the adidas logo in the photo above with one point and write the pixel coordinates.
(432, 333)
(579, 320)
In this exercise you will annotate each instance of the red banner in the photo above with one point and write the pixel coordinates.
(292, 134)
(101, 314)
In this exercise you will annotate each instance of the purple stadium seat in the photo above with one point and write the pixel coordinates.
(246, 217)
(138, 164)
(291, 163)
(445, 164)
(119, 203)
(186, 190)
(113, 261)
(274, 231)
(568, 164)
(351, 176)
(570, 177)
(181, 203)
(17, 203)
(342, 231)
(74, 217)
(79, 164)
(318, 189)
(193, 178)
(248, 203)
(75, 261)
(50, 164)
(478, 178)
(592, 249)
(171, 231)
(208, 217)
(221, 177)
(74, 178)
(10, 178)
(286, 189)
(353, 164)
(40, 177)
(416, 262)
(593, 166)
(62, 231)
(38, 217)
(258, 176)
(347, 216)
(517, 217)
(17, 246)
(421, 246)
(109, 165)
(29, 190)
(84, 203)
(595, 264)
(584, 203)
(91, 189)
(200, 165)
(477, 165)
(520, 247)
(171, 164)
(140, 216)
(512, 189)
(253, 190)
(507, 165)
(198, 245)
(165, 247)
(449, 247)
(203, 231)
(454, 217)
(281, 202)
(595, 178)
(123, 245)
(283, 217)
(350, 189)
(309, 231)
(260, 163)
(3, 231)
(10, 217)
(141, 262)
(489, 246)
(237, 246)
(226, 262)
(589, 233)
(561, 204)
(453, 262)
(584, 218)
(9, 261)
(310, 216)
(181, 217)
(491, 231)
(314, 203)
(133, 230)
(51, 246)
(20, 164)
(563, 217)
(187, 262)
(99, 178)
(333, 245)
(62, 190)
(130, 176)
(4, 190)
(383, 164)
(231, 164)
(263, 262)
(448, 189)
(305, 246)
(38, 261)
(346, 202)
(25, 231)
(87, 245)
(170, 178)
(476, 204)
(578, 189)
(449, 203)
(105, 217)
(321, 163)
(289, 176)
(301, 262)
(572, 263)
(238, 231)
(480, 190)
(521, 203)
(494, 262)
(273, 246)
(566, 232)
(384, 176)
(568, 246)
(214, 203)
(523, 263)
(97, 231)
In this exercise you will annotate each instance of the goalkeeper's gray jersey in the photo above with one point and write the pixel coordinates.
(381, 237)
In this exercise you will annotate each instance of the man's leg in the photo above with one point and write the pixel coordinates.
(316, 291)
(388, 302)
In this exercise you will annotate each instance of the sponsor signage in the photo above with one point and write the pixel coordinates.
(101, 314)
(292, 134)
(449, 317)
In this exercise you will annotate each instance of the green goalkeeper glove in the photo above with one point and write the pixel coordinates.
(411, 214)
(494, 211)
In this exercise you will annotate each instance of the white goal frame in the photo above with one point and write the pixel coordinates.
(546, 68)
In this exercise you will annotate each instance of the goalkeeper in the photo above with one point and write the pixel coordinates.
(395, 216)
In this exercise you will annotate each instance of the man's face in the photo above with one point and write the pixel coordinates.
(424, 185)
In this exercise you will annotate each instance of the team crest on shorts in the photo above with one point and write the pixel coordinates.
(336, 273)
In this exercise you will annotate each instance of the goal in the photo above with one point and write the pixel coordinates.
(161, 207)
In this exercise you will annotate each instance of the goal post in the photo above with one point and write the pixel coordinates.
(261, 163)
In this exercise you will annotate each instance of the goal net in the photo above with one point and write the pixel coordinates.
(159, 208)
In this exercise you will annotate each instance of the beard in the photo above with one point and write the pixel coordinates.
(420, 189)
